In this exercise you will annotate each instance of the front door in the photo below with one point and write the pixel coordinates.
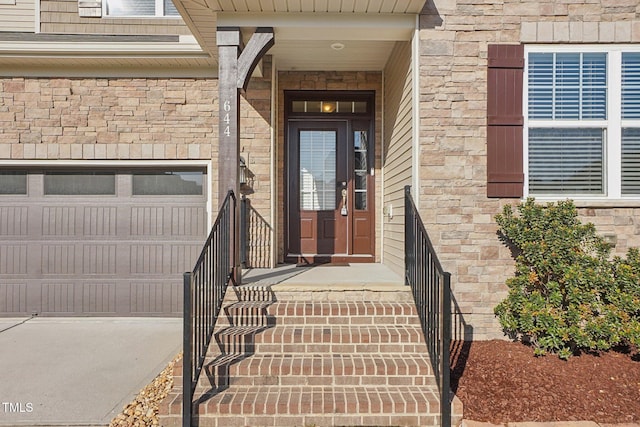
(330, 191)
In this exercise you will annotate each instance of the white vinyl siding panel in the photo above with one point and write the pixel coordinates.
(18, 17)
(398, 148)
(62, 17)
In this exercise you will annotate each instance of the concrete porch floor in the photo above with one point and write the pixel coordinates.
(351, 277)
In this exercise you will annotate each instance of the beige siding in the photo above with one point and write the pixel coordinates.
(20, 17)
(397, 161)
(61, 17)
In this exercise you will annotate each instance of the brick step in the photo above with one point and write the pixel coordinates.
(292, 339)
(322, 406)
(342, 334)
(358, 293)
(236, 339)
(247, 313)
(266, 313)
(341, 308)
(339, 370)
(253, 293)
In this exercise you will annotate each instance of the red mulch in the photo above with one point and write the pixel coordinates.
(501, 381)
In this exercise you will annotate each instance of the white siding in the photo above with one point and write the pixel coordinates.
(397, 161)
(20, 17)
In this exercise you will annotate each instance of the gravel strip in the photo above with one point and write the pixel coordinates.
(143, 410)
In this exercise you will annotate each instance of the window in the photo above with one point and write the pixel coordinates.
(582, 122)
(166, 183)
(79, 183)
(360, 168)
(13, 182)
(136, 8)
(317, 170)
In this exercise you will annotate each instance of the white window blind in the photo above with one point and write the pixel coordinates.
(567, 86)
(566, 161)
(631, 85)
(631, 161)
(317, 170)
(140, 8)
(170, 9)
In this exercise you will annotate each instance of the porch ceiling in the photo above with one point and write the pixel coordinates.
(335, 35)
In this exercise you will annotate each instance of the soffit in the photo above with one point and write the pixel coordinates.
(314, 6)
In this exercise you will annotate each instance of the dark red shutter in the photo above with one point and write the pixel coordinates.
(505, 177)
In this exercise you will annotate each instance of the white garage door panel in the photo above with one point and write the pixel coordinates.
(97, 255)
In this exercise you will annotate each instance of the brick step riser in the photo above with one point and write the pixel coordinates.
(363, 320)
(322, 400)
(330, 311)
(262, 295)
(330, 366)
(237, 344)
(269, 321)
(341, 335)
(330, 335)
(249, 348)
(337, 348)
(329, 420)
(376, 381)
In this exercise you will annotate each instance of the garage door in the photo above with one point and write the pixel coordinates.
(100, 242)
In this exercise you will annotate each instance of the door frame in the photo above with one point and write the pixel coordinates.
(310, 117)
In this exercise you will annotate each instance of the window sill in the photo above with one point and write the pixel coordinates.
(593, 203)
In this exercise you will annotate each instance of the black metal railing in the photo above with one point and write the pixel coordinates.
(431, 288)
(204, 291)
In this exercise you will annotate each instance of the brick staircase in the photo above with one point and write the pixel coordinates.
(354, 358)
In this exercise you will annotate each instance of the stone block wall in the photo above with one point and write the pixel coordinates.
(87, 119)
(454, 35)
(255, 148)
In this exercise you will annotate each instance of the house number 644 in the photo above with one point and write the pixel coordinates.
(226, 106)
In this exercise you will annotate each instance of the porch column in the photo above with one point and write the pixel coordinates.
(235, 66)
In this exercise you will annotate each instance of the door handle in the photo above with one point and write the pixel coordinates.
(344, 211)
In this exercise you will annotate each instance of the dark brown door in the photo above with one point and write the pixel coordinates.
(330, 197)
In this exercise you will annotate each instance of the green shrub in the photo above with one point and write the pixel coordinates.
(566, 295)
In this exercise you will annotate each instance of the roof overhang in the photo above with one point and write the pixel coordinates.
(49, 55)
(311, 35)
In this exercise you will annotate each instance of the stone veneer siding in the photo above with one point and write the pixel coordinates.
(453, 67)
(89, 119)
(326, 81)
(255, 148)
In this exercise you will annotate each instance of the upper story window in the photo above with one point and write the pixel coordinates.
(139, 8)
(582, 122)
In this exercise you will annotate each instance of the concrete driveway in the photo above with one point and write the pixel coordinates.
(79, 371)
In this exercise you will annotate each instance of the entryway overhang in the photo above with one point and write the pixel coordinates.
(311, 35)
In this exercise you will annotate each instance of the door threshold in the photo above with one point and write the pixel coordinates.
(337, 260)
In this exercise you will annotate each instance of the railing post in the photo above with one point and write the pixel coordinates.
(445, 398)
(243, 231)
(408, 234)
(187, 356)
